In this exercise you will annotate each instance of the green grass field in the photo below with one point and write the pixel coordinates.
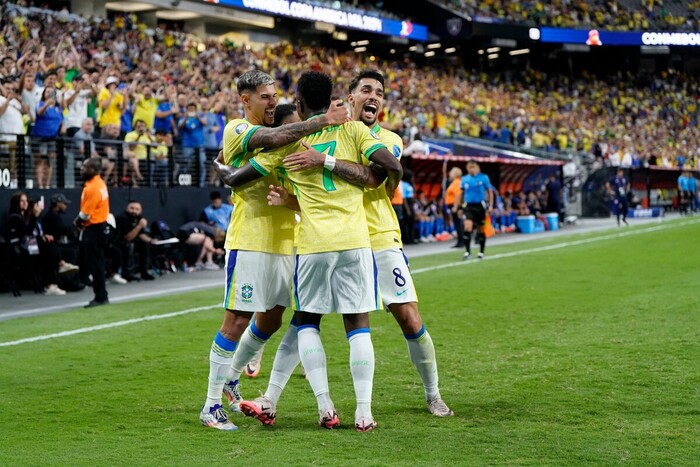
(582, 354)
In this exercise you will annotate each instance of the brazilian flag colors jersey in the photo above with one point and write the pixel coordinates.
(332, 217)
(254, 226)
(384, 230)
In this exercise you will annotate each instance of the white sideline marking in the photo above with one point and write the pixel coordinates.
(107, 326)
(555, 246)
(130, 297)
(417, 271)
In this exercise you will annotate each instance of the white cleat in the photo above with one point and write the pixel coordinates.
(437, 407)
(216, 418)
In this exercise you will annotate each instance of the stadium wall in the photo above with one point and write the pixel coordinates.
(176, 205)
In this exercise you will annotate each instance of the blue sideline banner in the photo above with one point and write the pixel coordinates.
(306, 11)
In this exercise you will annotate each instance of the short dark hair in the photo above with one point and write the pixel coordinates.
(214, 195)
(372, 74)
(251, 80)
(283, 111)
(315, 88)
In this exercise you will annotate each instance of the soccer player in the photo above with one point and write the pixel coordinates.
(619, 187)
(335, 269)
(259, 239)
(477, 202)
(395, 281)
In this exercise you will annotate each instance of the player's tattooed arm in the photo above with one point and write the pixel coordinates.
(234, 176)
(357, 174)
(265, 137)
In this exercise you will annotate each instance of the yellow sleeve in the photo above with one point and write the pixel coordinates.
(369, 142)
(237, 133)
(266, 162)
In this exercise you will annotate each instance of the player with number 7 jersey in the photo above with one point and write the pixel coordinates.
(331, 215)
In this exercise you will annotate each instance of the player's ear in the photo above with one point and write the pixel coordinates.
(351, 99)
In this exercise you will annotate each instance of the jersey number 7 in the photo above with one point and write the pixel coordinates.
(326, 148)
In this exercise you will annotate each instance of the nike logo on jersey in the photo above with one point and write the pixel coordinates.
(398, 294)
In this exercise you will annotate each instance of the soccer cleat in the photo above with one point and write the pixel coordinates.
(437, 407)
(261, 408)
(217, 418)
(466, 256)
(480, 256)
(253, 367)
(365, 424)
(329, 419)
(233, 394)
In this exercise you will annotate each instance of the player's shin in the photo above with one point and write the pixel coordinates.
(313, 357)
(362, 370)
(220, 357)
(286, 360)
(252, 341)
(422, 353)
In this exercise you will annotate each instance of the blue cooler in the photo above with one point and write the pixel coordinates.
(552, 220)
(526, 224)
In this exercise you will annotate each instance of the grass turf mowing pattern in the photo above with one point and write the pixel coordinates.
(585, 354)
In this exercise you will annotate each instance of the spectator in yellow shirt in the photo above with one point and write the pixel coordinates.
(112, 103)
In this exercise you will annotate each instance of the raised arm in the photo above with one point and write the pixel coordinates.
(234, 176)
(276, 137)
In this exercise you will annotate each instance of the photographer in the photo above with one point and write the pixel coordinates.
(134, 237)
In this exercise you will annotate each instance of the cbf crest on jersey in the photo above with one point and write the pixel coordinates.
(241, 127)
(247, 293)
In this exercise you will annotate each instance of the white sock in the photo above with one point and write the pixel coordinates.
(362, 370)
(422, 353)
(252, 341)
(313, 357)
(220, 358)
(286, 360)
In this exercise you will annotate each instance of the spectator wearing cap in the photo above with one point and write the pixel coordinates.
(217, 213)
(112, 102)
(63, 233)
(76, 101)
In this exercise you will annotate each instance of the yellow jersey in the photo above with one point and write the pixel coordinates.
(111, 115)
(332, 216)
(254, 225)
(384, 230)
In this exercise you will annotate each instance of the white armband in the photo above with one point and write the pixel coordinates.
(329, 163)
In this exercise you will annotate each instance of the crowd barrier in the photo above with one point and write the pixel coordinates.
(24, 158)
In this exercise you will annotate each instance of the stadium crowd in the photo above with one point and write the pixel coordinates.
(618, 15)
(155, 88)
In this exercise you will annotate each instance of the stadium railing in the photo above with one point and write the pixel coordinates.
(19, 153)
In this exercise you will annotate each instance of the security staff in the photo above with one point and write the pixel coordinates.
(92, 219)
